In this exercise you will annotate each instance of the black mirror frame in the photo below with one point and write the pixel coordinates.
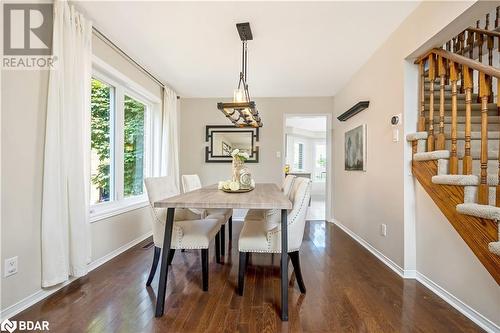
(209, 129)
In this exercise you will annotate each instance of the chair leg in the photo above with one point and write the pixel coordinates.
(217, 247)
(156, 258)
(294, 256)
(170, 256)
(230, 224)
(204, 268)
(241, 272)
(223, 239)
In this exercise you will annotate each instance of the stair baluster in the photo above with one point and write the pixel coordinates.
(441, 140)
(432, 77)
(448, 48)
(421, 119)
(497, 17)
(489, 44)
(468, 84)
(453, 152)
(470, 43)
(480, 58)
(461, 44)
(484, 82)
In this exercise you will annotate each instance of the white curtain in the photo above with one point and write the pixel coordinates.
(66, 174)
(169, 161)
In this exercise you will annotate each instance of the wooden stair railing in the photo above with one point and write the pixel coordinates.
(461, 69)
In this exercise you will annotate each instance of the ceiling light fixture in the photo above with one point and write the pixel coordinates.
(242, 111)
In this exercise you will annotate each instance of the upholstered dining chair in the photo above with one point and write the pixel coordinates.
(263, 235)
(254, 214)
(193, 182)
(190, 230)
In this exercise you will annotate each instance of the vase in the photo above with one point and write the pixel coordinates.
(241, 174)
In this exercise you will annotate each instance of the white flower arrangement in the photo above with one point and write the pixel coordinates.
(243, 156)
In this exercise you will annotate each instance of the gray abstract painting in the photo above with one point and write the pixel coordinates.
(355, 149)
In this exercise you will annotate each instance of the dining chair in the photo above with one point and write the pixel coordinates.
(193, 182)
(254, 214)
(190, 231)
(263, 235)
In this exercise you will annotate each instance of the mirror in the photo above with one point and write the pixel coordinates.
(224, 139)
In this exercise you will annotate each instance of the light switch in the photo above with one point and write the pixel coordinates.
(278, 154)
(395, 135)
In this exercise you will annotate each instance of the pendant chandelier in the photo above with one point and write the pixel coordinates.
(242, 111)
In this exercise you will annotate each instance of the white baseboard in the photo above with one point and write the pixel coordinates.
(463, 308)
(391, 264)
(449, 298)
(46, 292)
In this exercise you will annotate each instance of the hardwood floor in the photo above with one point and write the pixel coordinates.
(348, 290)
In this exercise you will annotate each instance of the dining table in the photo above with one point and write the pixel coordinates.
(263, 196)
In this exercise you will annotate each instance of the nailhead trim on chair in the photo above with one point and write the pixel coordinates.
(271, 233)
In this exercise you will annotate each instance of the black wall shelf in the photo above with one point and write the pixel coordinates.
(354, 110)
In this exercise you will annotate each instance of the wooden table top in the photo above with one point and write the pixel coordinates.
(264, 196)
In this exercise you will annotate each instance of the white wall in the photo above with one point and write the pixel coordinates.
(24, 98)
(364, 200)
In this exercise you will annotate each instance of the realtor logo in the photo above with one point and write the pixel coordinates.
(27, 29)
(27, 36)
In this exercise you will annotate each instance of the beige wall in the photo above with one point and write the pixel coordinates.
(196, 113)
(364, 200)
(24, 98)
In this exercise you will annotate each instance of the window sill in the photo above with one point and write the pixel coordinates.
(106, 210)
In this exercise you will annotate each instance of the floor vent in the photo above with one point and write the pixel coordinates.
(148, 245)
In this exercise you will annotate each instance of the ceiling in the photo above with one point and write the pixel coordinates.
(299, 48)
(313, 124)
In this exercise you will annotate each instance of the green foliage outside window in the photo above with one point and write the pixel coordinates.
(133, 147)
(100, 137)
(133, 168)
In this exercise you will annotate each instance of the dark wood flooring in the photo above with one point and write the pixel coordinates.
(348, 290)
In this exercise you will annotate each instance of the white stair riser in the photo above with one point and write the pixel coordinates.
(470, 195)
(475, 145)
(475, 127)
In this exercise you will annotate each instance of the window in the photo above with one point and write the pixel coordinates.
(320, 162)
(298, 158)
(120, 144)
(133, 162)
(101, 125)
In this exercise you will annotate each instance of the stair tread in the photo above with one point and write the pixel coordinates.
(464, 180)
(482, 211)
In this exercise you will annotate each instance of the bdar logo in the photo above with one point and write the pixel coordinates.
(8, 325)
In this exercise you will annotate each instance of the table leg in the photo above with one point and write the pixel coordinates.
(284, 265)
(162, 284)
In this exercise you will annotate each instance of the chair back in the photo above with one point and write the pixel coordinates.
(159, 188)
(190, 183)
(287, 184)
(299, 195)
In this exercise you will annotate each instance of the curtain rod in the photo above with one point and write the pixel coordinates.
(109, 42)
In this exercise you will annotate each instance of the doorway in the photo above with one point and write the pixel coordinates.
(307, 155)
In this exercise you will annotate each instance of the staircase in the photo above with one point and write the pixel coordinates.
(456, 149)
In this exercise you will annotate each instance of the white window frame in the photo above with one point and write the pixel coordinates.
(123, 85)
